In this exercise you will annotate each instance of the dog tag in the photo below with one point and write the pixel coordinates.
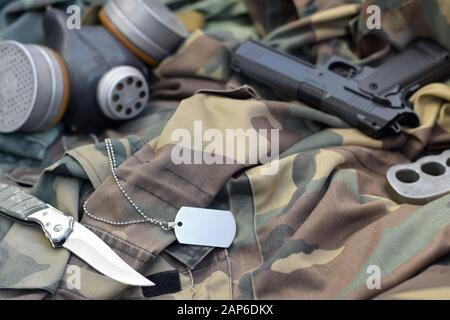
(205, 227)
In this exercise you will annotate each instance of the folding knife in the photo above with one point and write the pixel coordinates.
(64, 231)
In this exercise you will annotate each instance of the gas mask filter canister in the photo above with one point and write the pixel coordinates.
(146, 27)
(122, 93)
(34, 87)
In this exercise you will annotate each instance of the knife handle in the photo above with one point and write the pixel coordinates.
(25, 208)
(18, 204)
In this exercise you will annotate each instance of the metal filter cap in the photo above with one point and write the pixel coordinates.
(148, 26)
(122, 93)
(33, 87)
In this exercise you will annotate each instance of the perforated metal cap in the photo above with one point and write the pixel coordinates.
(122, 93)
(148, 24)
(32, 87)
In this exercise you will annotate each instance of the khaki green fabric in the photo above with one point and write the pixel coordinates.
(313, 230)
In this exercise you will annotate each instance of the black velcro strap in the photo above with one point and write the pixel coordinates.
(165, 283)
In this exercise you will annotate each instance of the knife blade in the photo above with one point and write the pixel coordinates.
(64, 231)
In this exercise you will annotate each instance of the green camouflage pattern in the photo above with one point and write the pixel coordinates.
(314, 230)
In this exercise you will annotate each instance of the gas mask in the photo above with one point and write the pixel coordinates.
(93, 78)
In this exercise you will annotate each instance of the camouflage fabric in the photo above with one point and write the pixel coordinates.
(314, 229)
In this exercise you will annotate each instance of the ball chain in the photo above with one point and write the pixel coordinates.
(112, 162)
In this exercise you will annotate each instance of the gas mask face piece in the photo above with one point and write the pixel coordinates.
(108, 83)
(34, 87)
(146, 27)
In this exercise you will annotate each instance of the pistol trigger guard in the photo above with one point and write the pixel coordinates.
(408, 92)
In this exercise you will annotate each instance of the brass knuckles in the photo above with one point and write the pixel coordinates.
(422, 181)
(56, 225)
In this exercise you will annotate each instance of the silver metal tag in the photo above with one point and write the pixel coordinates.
(205, 227)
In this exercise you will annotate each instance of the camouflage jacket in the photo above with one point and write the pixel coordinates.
(316, 228)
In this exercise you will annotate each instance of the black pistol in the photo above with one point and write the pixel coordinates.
(372, 99)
